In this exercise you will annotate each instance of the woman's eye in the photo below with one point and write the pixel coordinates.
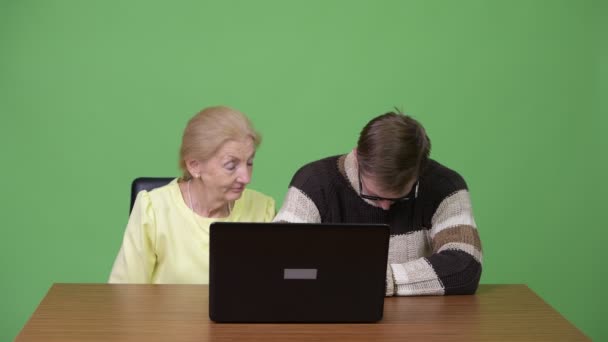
(230, 166)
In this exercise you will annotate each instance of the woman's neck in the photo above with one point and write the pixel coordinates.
(203, 203)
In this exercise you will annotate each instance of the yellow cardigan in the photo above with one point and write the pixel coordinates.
(167, 243)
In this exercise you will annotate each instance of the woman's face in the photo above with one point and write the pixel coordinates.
(227, 173)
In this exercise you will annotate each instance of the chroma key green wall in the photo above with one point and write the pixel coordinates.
(513, 95)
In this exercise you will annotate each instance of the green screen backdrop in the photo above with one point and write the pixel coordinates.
(513, 95)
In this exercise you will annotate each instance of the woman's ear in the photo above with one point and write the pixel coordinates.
(194, 167)
(355, 154)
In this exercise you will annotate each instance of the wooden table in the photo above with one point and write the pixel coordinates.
(103, 312)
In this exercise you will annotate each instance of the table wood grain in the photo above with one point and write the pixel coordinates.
(108, 312)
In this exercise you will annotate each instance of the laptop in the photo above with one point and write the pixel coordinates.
(297, 272)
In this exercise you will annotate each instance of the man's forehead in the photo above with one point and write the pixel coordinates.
(375, 185)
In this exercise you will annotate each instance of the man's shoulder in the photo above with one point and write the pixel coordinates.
(324, 163)
(442, 179)
(318, 171)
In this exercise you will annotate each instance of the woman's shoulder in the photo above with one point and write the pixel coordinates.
(250, 195)
(254, 206)
(164, 195)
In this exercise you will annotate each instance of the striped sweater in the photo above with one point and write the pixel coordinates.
(434, 247)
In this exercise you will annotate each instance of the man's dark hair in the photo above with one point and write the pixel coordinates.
(393, 148)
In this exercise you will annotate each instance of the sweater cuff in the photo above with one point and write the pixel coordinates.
(390, 282)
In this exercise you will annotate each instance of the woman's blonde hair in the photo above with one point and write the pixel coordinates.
(208, 130)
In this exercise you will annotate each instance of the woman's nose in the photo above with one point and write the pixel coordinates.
(244, 176)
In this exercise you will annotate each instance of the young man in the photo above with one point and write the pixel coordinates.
(388, 178)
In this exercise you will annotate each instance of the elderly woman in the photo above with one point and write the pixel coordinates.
(167, 236)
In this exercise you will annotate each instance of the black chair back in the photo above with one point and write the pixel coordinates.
(146, 183)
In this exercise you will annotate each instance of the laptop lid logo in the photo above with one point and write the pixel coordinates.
(300, 273)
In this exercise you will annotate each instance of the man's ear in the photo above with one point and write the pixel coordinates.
(355, 154)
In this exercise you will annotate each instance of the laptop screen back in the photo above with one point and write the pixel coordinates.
(284, 272)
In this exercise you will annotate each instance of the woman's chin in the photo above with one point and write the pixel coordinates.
(234, 195)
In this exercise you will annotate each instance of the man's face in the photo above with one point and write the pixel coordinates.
(370, 189)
